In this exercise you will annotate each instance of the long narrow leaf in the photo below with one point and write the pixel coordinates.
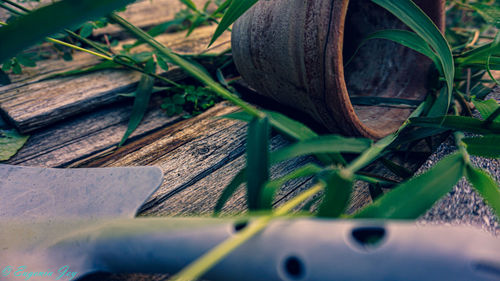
(257, 160)
(229, 190)
(322, 144)
(273, 186)
(459, 123)
(487, 146)
(291, 129)
(486, 186)
(418, 21)
(486, 107)
(414, 197)
(338, 190)
(235, 10)
(27, 30)
(141, 101)
(406, 38)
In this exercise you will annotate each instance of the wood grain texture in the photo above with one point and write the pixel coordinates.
(157, 11)
(87, 135)
(31, 104)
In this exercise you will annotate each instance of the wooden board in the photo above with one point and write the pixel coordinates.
(88, 135)
(31, 104)
(157, 11)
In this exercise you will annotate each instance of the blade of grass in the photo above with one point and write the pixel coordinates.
(229, 190)
(487, 146)
(411, 199)
(421, 24)
(486, 186)
(406, 38)
(291, 129)
(271, 187)
(234, 11)
(338, 189)
(141, 101)
(257, 161)
(460, 123)
(321, 144)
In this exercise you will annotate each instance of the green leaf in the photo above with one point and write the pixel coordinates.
(27, 30)
(321, 144)
(291, 129)
(141, 102)
(229, 190)
(486, 186)
(189, 4)
(10, 142)
(418, 21)
(25, 60)
(406, 38)
(162, 63)
(257, 161)
(235, 10)
(489, 12)
(486, 107)
(273, 186)
(460, 123)
(338, 191)
(413, 198)
(487, 146)
(86, 29)
(440, 106)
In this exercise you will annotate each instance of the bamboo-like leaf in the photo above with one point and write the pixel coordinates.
(141, 101)
(418, 21)
(413, 198)
(338, 189)
(190, 4)
(27, 30)
(406, 38)
(10, 142)
(486, 186)
(322, 144)
(459, 123)
(273, 186)
(487, 146)
(257, 161)
(234, 11)
(229, 190)
(486, 107)
(291, 129)
(440, 106)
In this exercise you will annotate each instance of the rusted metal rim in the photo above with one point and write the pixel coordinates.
(294, 50)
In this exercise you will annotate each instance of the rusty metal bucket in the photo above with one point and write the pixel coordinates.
(294, 51)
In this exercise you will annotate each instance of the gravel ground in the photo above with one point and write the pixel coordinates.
(463, 205)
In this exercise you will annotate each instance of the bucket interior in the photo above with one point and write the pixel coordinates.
(382, 71)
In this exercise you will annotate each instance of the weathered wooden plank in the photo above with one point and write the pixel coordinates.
(143, 13)
(186, 152)
(148, 13)
(87, 135)
(31, 105)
